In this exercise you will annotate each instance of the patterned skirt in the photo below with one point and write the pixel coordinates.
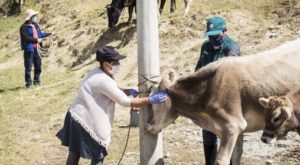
(74, 136)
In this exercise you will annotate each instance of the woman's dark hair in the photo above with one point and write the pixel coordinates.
(101, 61)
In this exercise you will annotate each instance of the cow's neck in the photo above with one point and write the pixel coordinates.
(188, 104)
(186, 114)
(184, 108)
(295, 99)
(118, 5)
(297, 121)
(190, 111)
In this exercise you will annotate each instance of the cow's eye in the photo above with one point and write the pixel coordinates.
(277, 119)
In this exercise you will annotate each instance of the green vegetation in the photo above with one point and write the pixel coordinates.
(6, 57)
(9, 24)
(29, 116)
(12, 23)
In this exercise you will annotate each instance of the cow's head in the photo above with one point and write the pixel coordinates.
(114, 11)
(278, 113)
(162, 114)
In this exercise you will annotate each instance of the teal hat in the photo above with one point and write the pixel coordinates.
(215, 25)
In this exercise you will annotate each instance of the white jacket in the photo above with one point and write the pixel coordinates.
(94, 105)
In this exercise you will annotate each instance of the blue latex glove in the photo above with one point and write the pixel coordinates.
(133, 92)
(158, 97)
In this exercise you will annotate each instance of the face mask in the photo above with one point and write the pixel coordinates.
(218, 41)
(115, 69)
(217, 47)
(34, 19)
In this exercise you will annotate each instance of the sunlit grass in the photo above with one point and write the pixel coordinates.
(31, 117)
(8, 24)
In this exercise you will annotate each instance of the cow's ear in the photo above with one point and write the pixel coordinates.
(172, 76)
(264, 102)
(168, 78)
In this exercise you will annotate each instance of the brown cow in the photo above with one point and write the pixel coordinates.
(223, 96)
(282, 115)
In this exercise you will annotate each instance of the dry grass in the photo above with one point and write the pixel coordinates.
(31, 117)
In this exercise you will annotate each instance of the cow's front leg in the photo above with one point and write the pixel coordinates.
(162, 4)
(238, 151)
(173, 6)
(130, 11)
(187, 4)
(228, 140)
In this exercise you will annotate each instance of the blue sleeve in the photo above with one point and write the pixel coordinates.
(41, 34)
(44, 35)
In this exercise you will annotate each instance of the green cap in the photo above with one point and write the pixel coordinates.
(215, 25)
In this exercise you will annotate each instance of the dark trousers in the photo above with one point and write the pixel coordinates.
(29, 59)
(73, 159)
(210, 141)
(209, 138)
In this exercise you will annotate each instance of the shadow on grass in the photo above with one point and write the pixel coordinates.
(124, 126)
(11, 89)
(122, 33)
(127, 126)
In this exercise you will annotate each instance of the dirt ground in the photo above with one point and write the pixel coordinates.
(82, 27)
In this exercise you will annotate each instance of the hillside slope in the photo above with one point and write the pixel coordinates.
(31, 118)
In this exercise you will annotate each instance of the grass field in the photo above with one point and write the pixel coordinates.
(31, 116)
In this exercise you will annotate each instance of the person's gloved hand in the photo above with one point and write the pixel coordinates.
(133, 92)
(39, 40)
(158, 97)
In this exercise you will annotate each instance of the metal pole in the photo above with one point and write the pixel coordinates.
(151, 152)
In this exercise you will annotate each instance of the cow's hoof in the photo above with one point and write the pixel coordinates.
(172, 11)
(160, 11)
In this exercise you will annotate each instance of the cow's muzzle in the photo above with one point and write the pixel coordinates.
(268, 136)
(150, 128)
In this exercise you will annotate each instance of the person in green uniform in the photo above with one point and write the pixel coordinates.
(218, 46)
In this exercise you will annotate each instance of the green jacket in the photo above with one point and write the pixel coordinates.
(209, 54)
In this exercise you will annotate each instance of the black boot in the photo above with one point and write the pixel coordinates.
(73, 158)
(210, 152)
